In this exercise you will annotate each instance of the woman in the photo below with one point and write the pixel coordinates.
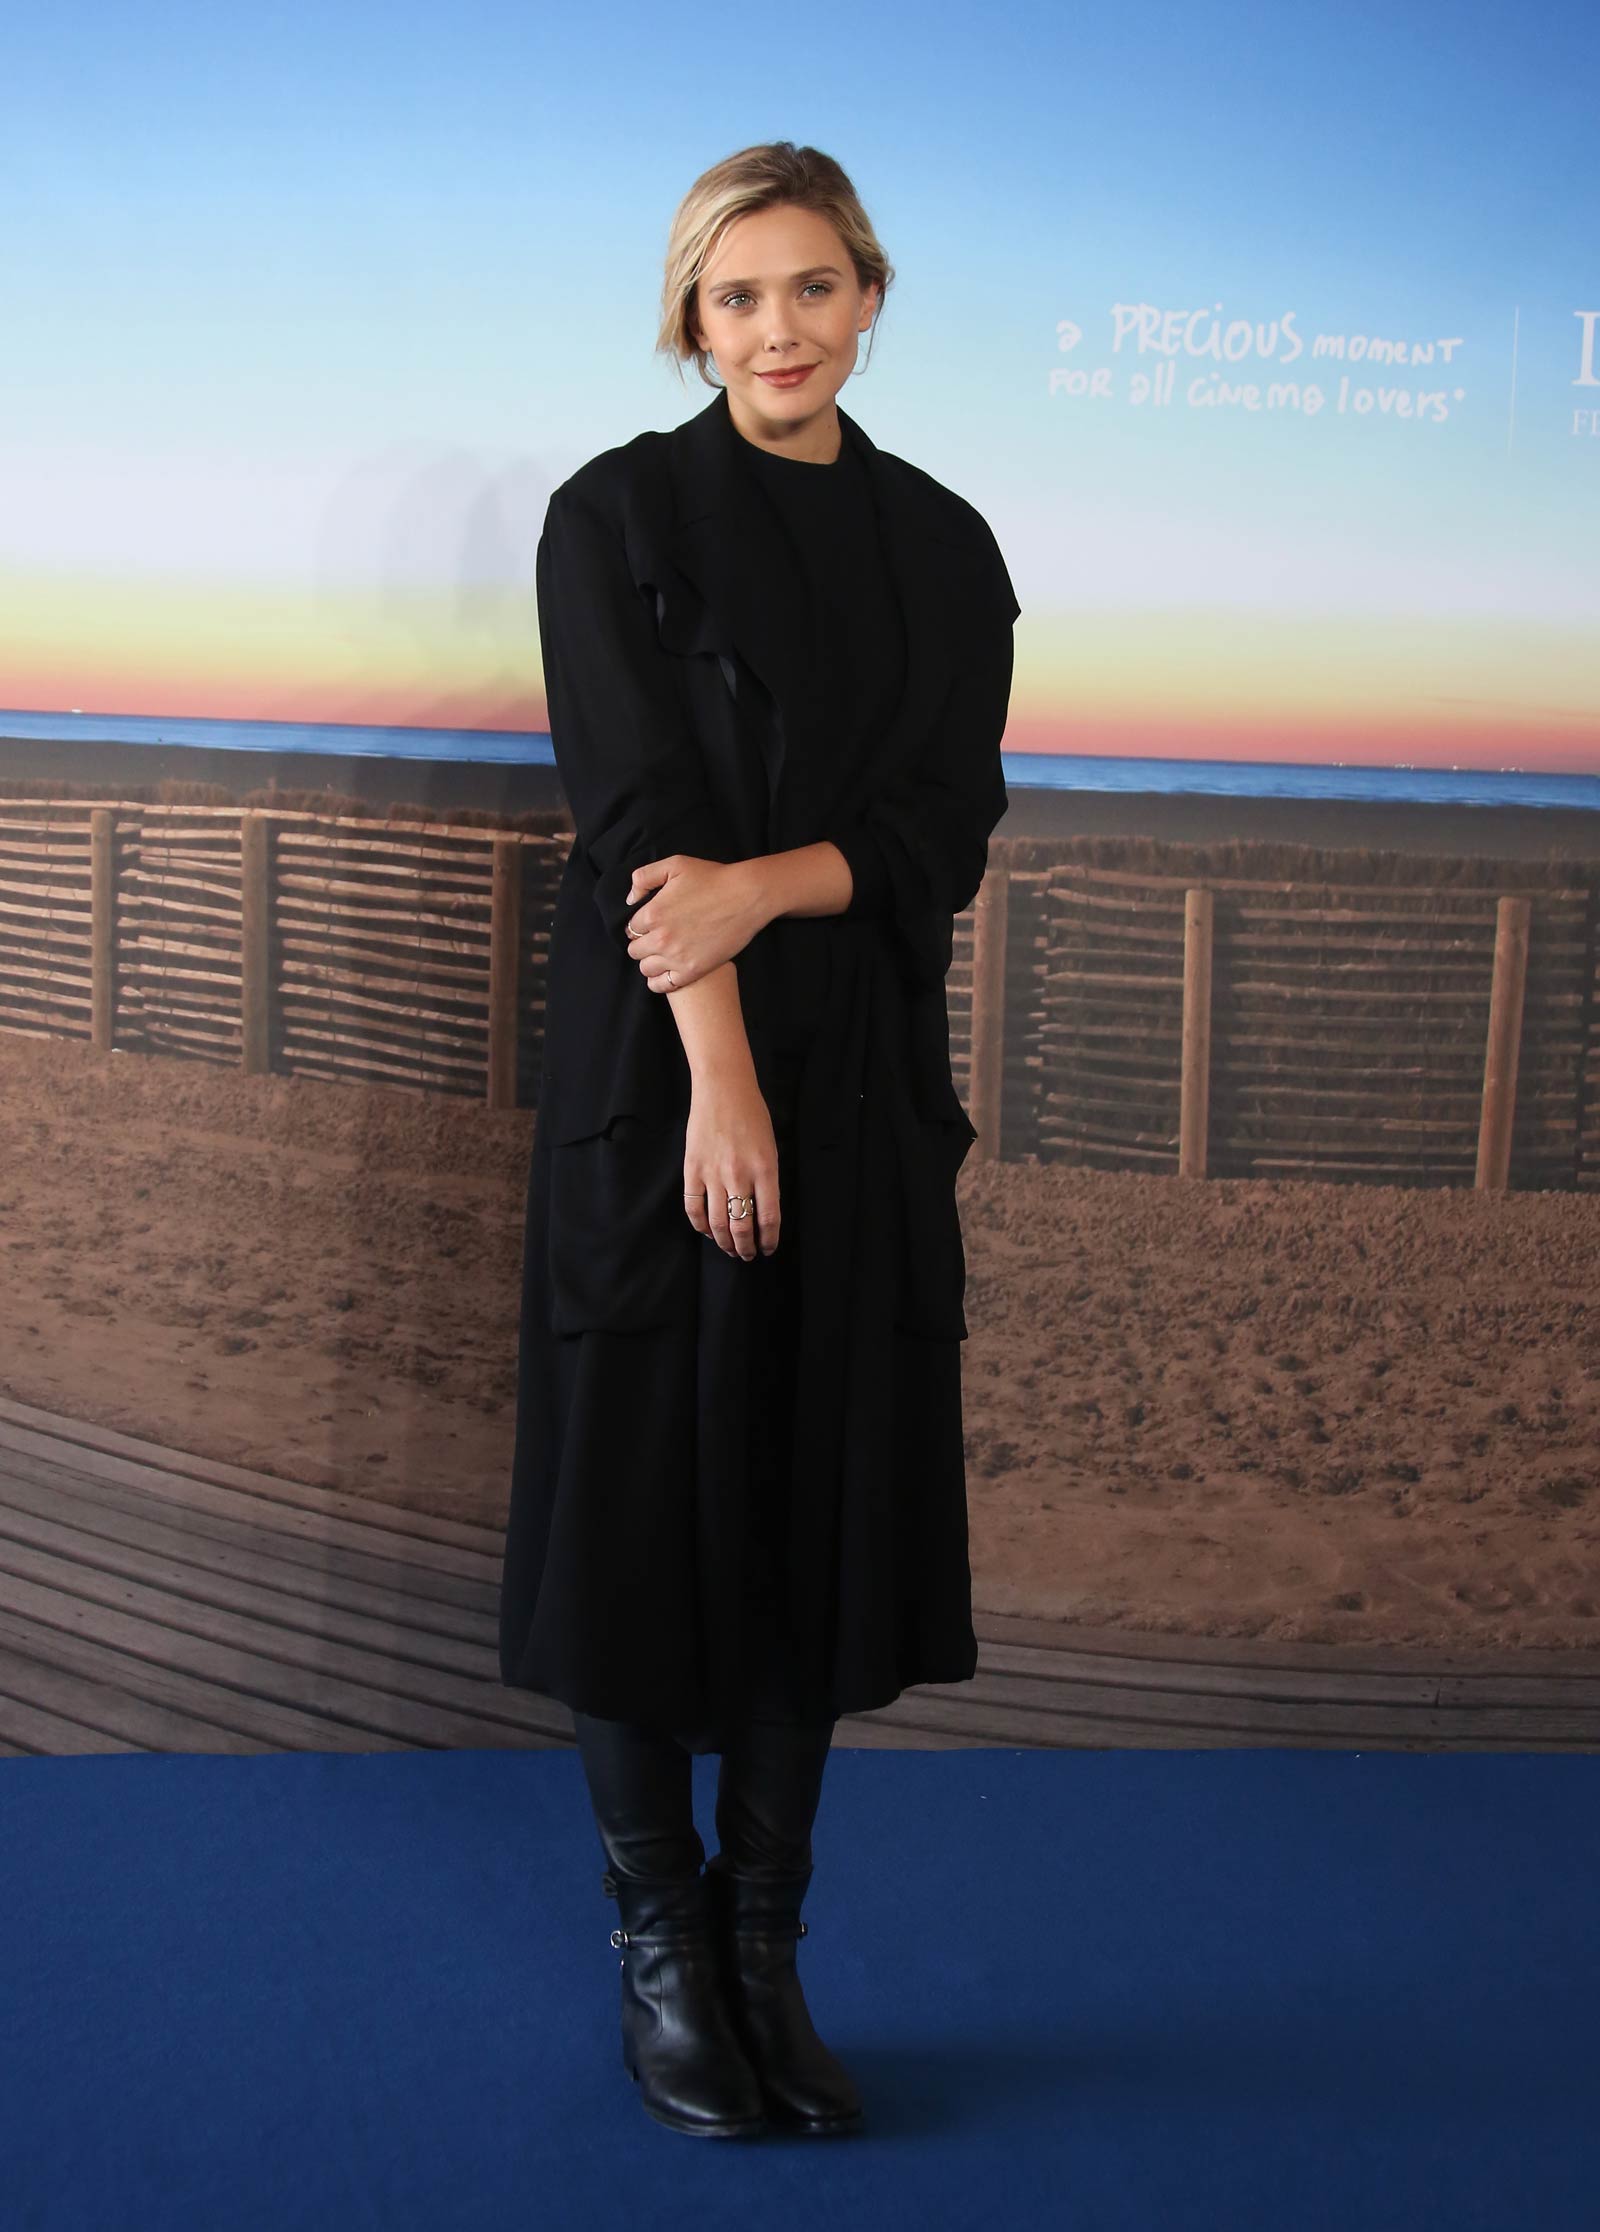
(777, 660)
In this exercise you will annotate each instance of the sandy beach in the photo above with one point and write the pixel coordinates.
(1328, 1412)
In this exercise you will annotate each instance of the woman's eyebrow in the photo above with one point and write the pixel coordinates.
(812, 271)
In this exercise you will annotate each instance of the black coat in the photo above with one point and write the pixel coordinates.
(662, 1383)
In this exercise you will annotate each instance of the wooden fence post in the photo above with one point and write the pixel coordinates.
(255, 942)
(1506, 992)
(102, 927)
(987, 1067)
(505, 948)
(1194, 1105)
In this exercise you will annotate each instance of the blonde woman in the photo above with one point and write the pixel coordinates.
(777, 661)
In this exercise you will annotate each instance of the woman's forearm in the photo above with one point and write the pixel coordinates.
(807, 880)
(710, 1023)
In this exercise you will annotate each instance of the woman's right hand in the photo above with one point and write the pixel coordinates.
(731, 1148)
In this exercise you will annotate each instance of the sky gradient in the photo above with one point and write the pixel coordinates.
(305, 317)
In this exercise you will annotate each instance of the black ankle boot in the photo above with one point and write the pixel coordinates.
(678, 2042)
(805, 2086)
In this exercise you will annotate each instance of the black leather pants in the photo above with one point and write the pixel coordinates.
(641, 1788)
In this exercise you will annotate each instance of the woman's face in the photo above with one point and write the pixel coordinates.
(779, 293)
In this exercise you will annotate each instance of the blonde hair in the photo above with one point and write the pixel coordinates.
(759, 178)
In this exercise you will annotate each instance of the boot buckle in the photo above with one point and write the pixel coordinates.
(619, 1937)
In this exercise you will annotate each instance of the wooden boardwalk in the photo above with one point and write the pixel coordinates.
(151, 1600)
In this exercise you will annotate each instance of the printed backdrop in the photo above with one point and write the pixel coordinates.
(1268, 339)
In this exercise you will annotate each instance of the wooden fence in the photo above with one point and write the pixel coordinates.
(343, 948)
(1393, 1032)
(1409, 1033)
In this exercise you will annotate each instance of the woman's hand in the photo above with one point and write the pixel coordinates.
(731, 1148)
(692, 915)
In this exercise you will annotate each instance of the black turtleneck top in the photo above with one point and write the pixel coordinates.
(859, 651)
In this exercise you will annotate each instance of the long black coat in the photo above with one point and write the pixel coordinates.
(712, 1454)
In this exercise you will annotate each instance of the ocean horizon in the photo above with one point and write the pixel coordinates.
(1049, 771)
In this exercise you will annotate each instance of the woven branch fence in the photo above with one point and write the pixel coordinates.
(1104, 1011)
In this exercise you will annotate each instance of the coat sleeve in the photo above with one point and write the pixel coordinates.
(917, 850)
(624, 747)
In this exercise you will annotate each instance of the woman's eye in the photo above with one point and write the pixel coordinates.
(728, 301)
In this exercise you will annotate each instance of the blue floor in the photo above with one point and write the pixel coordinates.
(1078, 1989)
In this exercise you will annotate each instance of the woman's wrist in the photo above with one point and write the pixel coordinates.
(757, 889)
(710, 1023)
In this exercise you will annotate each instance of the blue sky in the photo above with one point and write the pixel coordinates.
(254, 261)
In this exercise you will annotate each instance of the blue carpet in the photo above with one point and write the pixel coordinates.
(1088, 1989)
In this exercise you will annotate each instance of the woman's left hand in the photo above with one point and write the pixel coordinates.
(692, 915)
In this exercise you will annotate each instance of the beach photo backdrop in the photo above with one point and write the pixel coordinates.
(1270, 348)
